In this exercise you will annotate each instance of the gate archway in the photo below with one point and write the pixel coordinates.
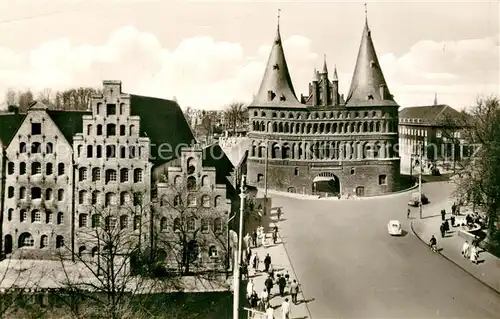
(326, 182)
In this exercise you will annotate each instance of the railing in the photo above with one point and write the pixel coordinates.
(255, 314)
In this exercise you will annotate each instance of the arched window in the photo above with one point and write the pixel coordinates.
(10, 213)
(177, 224)
(190, 166)
(60, 194)
(110, 151)
(191, 183)
(124, 198)
(95, 251)
(82, 220)
(204, 181)
(217, 201)
(22, 147)
(212, 251)
(96, 174)
(60, 218)
(191, 224)
(22, 168)
(36, 216)
(217, 225)
(205, 201)
(49, 169)
(137, 175)
(205, 225)
(60, 169)
(110, 199)
(137, 222)
(163, 224)
(82, 197)
(35, 148)
(123, 151)
(79, 150)
(26, 240)
(110, 222)
(191, 200)
(49, 148)
(132, 130)
(23, 216)
(81, 250)
(36, 168)
(123, 222)
(98, 151)
(82, 174)
(124, 175)
(89, 129)
(122, 130)
(22, 193)
(110, 176)
(44, 241)
(49, 217)
(99, 129)
(10, 192)
(177, 200)
(122, 108)
(96, 220)
(59, 241)
(48, 194)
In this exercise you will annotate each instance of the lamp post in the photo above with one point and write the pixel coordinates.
(266, 166)
(420, 180)
(236, 279)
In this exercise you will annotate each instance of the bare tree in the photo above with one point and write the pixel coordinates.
(25, 99)
(75, 99)
(236, 115)
(45, 96)
(10, 97)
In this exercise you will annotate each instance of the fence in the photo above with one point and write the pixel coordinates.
(255, 314)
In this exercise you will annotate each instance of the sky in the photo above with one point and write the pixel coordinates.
(208, 54)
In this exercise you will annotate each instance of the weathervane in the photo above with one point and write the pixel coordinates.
(279, 10)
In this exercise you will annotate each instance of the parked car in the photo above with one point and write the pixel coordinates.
(436, 172)
(414, 201)
(394, 228)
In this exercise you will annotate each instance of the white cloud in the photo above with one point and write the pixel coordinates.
(205, 73)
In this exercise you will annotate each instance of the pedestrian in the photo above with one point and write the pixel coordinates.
(474, 254)
(248, 240)
(271, 271)
(285, 309)
(279, 213)
(443, 214)
(441, 228)
(281, 285)
(287, 277)
(408, 213)
(244, 271)
(446, 226)
(254, 299)
(269, 312)
(264, 299)
(294, 291)
(452, 219)
(254, 238)
(275, 233)
(269, 284)
(249, 255)
(250, 288)
(256, 262)
(465, 249)
(267, 262)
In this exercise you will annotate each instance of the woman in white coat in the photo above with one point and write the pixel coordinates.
(473, 254)
(250, 288)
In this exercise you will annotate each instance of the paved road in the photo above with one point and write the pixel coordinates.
(352, 268)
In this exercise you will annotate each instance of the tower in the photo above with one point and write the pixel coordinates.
(325, 84)
(335, 88)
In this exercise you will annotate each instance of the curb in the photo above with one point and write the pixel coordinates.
(295, 274)
(453, 262)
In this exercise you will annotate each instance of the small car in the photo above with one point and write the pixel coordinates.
(415, 202)
(394, 228)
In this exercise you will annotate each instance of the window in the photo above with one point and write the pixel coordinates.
(205, 201)
(110, 222)
(44, 241)
(177, 200)
(217, 225)
(60, 195)
(82, 220)
(122, 130)
(60, 169)
(82, 197)
(36, 193)
(49, 148)
(137, 222)
(36, 148)
(36, 128)
(260, 177)
(96, 220)
(110, 199)
(122, 151)
(212, 251)
(110, 176)
(89, 129)
(204, 181)
(96, 174)
(123, 222)
(60, 218)
(137, 199)
(132, 130)
(10, 213)
(99, 129)
(111, 130)
(191, 183)
(10, 192)
(81, 250)
(95, 197)
(163, 224)
(382, 179)
(98, 151)
(439, 134)
(22, 193)
(10, 168)
(111, 109)
(204, 225)
(59, 241)
(296, 171)
(191, 199)
(110, 151)
(26, 240)
(36, 168)
(36, 216)
(177, 224)
(217, 201)
(82, 174)
(137, 175)
(22, 147)
(353, 171)
(48, 194)
(22, 168)
(49, 169)
(90, 149)
(191, 224)
(49, 217)
(95, 251)
(23, 216)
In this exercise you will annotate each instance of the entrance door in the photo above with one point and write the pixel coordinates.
(8, 244)
(326, 183)
(360, 191)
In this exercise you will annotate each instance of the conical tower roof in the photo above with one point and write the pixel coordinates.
(368, 77)
(276, 88)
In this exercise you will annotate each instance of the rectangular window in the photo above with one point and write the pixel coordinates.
(137, 199)
(111, 109)
(48, 169)
(36, 128)
(90, 148)
(110, 176)
(382, 179)
(36, 193)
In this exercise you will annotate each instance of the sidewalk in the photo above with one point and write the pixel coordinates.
(281, 264)
(487, 271)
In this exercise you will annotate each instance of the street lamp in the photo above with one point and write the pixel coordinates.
(420, 179)
(236, 279)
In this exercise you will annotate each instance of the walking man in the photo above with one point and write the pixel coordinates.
(285, 309)
(443, 214)
(281, 285)
(267, 262)
(269, 284)
(256, 262)
(279, 213)
(294, 291)
(408, 213)
(465, 249)
(254, 238)
(275, 233)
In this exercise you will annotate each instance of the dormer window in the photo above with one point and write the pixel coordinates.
(270, 95)
(370, 97)
(276, 67)
(372, 64)
(282, 97)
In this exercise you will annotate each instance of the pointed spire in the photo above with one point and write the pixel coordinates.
(368, 83)
(315, 75)
(335, 76)
(325, 68)
(435, 98)
(276, 88)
